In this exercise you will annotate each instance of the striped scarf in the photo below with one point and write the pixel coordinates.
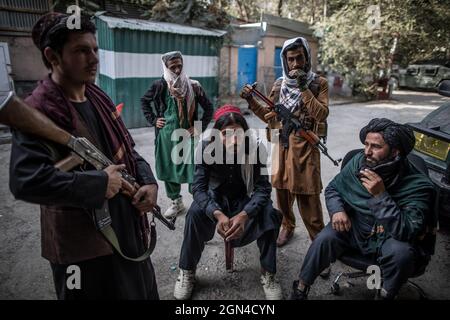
(290, 94)
(180, 88)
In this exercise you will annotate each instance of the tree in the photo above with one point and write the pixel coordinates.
(89, 7)
(280, 7)
(353, 45)
(199, 13)
(248, 10)
(311, 11)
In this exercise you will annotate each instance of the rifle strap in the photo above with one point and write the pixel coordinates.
(102, 220)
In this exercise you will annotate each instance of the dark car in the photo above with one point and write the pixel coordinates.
(433, 145)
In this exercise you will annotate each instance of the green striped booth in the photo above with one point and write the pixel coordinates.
(130, 59)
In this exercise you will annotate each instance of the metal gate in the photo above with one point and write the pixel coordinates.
(247, 61)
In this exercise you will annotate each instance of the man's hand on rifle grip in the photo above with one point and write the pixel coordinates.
(269, 116)
(114, 180)
(145, 198)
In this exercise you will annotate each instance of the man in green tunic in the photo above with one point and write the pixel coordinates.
(175, 100)
(379, 206)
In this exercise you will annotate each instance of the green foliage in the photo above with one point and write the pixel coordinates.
(249, 10)
(350, 45)
(90, 7)
(199, 13)
(311, 11)
(348, 42)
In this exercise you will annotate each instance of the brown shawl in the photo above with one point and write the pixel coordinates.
(49, 98)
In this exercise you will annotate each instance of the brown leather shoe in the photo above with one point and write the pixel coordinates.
(284, 237)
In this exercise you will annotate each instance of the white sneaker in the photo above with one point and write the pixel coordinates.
(184, 285)
(272, 288)
(176, 208)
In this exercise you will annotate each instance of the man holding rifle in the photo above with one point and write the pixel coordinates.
(68, 199)
(297, 177)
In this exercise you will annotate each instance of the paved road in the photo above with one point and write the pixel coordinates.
(25, 275)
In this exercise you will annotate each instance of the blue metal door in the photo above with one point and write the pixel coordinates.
(247, 60)
(277, 64)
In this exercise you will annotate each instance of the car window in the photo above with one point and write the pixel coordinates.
(412, 71)
(431, 71)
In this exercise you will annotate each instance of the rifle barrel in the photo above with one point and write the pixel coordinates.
(19, 115)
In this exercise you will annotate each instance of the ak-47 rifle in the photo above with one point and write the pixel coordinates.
(290, 122)
(84, 151)
(19, 115)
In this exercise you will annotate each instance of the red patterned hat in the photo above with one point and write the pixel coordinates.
(228, 108)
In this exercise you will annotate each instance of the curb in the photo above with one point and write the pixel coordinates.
(339, 103)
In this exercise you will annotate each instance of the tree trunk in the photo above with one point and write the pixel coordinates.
(280, 7)
(313, 8)
(242, 10)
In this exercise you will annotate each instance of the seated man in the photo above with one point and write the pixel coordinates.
(236, 198)
(378, 206)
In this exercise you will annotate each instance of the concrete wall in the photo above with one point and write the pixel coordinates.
(228, 66)
(26, 63)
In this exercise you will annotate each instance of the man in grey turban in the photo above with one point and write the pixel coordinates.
(379, 206)
(172, 103)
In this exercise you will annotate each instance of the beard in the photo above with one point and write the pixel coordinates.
(388, 169)
(372, 163)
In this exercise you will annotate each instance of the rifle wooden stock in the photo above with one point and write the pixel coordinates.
(38, 124)
(270, 115)
(19, 115)
(262, 96)
(70, 162)
(309, 136)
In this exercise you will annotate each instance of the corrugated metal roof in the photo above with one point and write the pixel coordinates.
(21, 15)
(33, 5)
(289, 24)
(137, 41)
(146, 25)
